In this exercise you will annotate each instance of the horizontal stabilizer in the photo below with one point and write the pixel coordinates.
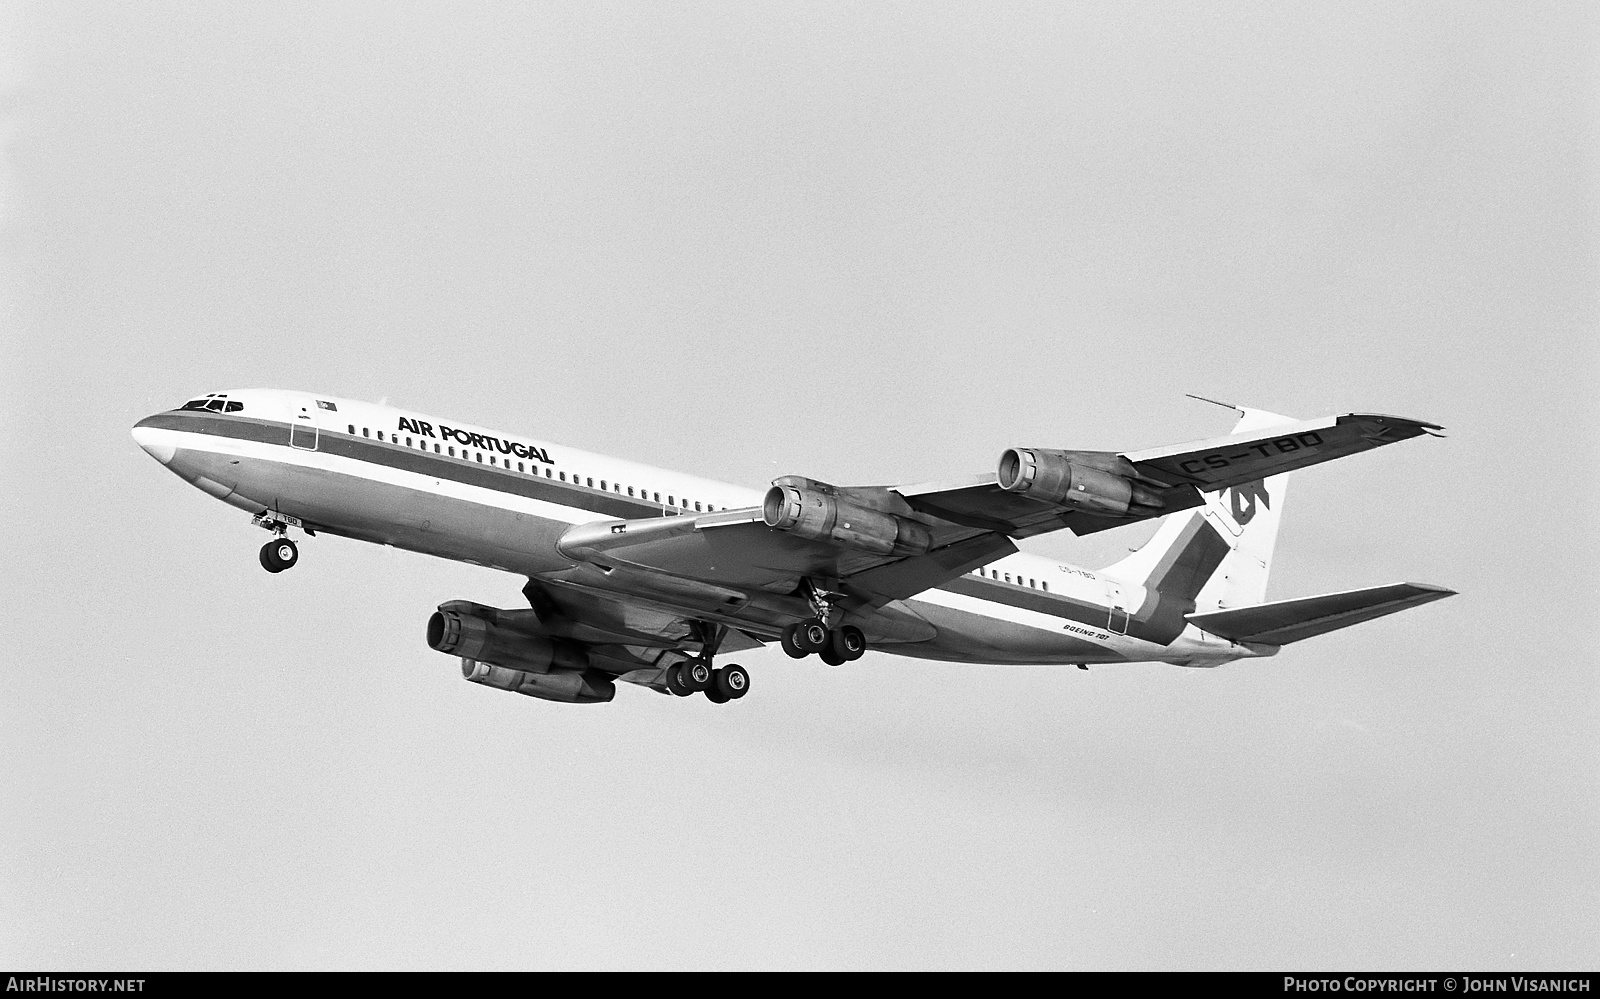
(1285, 621)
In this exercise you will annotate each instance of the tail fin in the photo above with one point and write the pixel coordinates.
(1217, 555)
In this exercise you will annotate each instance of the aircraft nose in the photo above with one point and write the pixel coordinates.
(153, 441)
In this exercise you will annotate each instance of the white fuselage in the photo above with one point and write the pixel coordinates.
(470, 494)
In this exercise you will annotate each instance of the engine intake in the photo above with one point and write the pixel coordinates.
(815, 511)
(1091, 481)
(500, 637)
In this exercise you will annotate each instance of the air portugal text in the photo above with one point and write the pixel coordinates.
(481, 441)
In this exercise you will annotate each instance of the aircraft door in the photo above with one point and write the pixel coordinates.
(1117, 616)
(303, 428)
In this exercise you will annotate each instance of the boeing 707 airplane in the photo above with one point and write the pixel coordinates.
(647, 576)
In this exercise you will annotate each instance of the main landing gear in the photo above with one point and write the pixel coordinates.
(821, 634)
(835, 646)
(698, 676)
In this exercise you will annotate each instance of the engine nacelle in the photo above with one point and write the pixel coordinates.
(815, 511)
(567, 686)
(1090, 481)
(501, 638)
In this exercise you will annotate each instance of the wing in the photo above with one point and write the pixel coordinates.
(873, 545)
(1171, 478)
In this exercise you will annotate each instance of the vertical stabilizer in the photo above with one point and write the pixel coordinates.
(1217, 555)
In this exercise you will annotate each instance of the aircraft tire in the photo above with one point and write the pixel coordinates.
(697, 674)
(732, 681)
(831, 657)
(811, 635)
(279, 554)
(848, 643)
(675, 680)
(716, 696)
(791, 646)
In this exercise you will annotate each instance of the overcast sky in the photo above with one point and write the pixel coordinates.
(866, 243)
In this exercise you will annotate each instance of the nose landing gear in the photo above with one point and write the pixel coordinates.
(280, 553)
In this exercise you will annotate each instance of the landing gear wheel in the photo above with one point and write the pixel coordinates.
(279, 554)
(831, 657)
(697, 675)
(674, 680)
(791, 646)
(848, 643)
(811, 635)
(716, 696)
(732, 682)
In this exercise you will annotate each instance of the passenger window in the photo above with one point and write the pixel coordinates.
(697, 505)
(658, 498)
(491, 459)
(380, 435)
(1008, 577)
(591, 482)
(366, 432)
(519, 466)
(671, 501)
(352, 430)
(547, 473)
(452, 452)
(602, 485)
(436, 449)
(1046, 587)
(480, 457)
(563, 476)
(630, 490)
(1030, 581)
(408, 442)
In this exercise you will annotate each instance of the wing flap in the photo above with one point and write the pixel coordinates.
(1285, 621)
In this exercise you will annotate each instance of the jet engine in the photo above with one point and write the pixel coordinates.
(817, 512)
(1092, 481)
(566, 685)
(504, 649)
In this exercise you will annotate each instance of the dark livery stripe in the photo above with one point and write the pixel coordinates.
(427, 463)
(1173, 585)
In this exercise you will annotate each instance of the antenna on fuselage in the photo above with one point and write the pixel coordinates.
(1224, 405)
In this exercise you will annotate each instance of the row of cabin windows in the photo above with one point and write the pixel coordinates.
(1020, 581)
(615, 487)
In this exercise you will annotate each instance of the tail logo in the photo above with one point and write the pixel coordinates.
(1244, 501)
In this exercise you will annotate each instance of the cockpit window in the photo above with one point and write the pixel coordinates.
(215, 402)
